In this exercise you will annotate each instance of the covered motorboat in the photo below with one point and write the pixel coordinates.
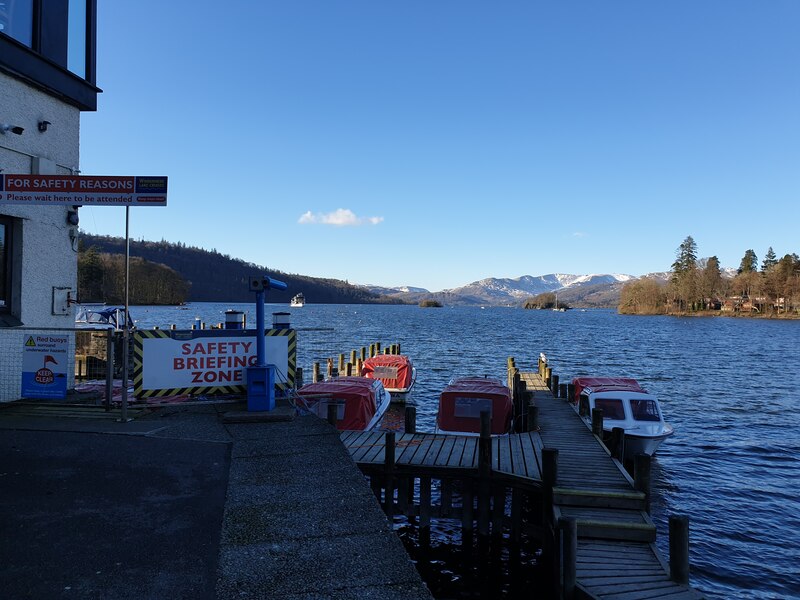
(360, 402)
(625, 404)
(396, 372)
(463, 400)
(100, 316)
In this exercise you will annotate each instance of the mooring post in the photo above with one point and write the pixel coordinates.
(341, 363)
(548, 373)
(618, 443)
(641, 477)
(679, 549)
(388, 464)
(484, 473)
(571, 392)
(562, 390)
(363, 353)
(348, 369)
(569, 553)
(330, 368)
(298, 378)
(554, 384)
(597, 422)
(533, 418)
(315, 373)
(353, 356)
(411, 419)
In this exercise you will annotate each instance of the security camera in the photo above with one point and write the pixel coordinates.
(72, 217)
(12, 129)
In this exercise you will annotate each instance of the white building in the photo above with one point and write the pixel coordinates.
(47, 78)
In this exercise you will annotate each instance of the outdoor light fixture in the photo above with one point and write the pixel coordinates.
(12, 128)
(72, 217)
(43, 125)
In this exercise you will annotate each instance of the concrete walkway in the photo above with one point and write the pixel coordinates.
(179, 504)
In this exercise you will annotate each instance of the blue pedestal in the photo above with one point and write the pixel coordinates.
(261, 388)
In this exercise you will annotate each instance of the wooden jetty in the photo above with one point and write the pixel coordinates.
(591, 515)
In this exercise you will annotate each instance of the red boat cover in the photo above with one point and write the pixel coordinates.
(462, 401)
(605, 384)
(394, 370)
(356, 395)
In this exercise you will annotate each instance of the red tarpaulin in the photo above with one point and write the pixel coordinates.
(605, 384)
(354, 395)
(394, 370)
(462, 402)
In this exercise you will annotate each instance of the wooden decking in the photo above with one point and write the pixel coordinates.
(518, 455)
(616, 554)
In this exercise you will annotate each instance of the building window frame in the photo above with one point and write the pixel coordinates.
(6, 262)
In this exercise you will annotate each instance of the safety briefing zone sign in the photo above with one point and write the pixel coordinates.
(204, 361)
(102, 190)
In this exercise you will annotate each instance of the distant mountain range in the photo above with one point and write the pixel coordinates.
(596, 290)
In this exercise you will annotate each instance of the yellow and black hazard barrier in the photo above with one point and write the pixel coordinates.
(207, 361)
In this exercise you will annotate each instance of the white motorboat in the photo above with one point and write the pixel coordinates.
(298, 301)
(625, 404)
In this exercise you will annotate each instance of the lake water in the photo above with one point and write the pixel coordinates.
(729, 386)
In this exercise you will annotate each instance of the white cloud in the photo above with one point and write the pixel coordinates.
(578, 234)
(342, 217)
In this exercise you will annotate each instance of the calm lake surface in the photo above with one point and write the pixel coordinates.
(728, 386)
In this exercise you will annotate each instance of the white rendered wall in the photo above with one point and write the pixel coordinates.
(45, 256)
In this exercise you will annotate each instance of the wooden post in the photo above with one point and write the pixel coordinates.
(533, 418)
(554, 384)
(353, 356)
(425, 510)
(571, 392)
(333, 412)
(330, 368)
(363, 353)
(411, 419)
(597, 422)
(569, 553)
(618, 443)
(315, 373)
(298, 377)
(387, 350)
(446, 497)
(388, 466)
(562, 390)
(679, 549)
(522, 416)
(359, 366)
(371, 350)
(341, 363)
(348, 369)
(467, 517)
(548, 374)
(484, 473)
(641, 477)
(377, 347)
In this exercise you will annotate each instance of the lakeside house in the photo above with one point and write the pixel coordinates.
(47, 79)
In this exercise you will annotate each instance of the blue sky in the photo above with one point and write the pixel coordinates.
(434, 143)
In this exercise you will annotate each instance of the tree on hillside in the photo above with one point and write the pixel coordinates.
(770, 260)
(642, 297)
(749, 262)
(684, 274)
(711, 283)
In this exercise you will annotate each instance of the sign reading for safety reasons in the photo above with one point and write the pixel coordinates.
(215, 361)
(76, 190)
(44, 366)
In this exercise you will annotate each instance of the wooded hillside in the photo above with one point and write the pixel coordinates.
(207, 275)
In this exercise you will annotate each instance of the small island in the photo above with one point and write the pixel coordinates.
(430, 304)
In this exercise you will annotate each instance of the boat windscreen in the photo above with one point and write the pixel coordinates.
(644, 410)
(611, 407)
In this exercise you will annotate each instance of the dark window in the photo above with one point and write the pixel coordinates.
(5, 264)
(16, 20)
(76, 38)
(611, 407)
(644, 410)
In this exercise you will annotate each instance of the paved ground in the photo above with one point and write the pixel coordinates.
(179, 504)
